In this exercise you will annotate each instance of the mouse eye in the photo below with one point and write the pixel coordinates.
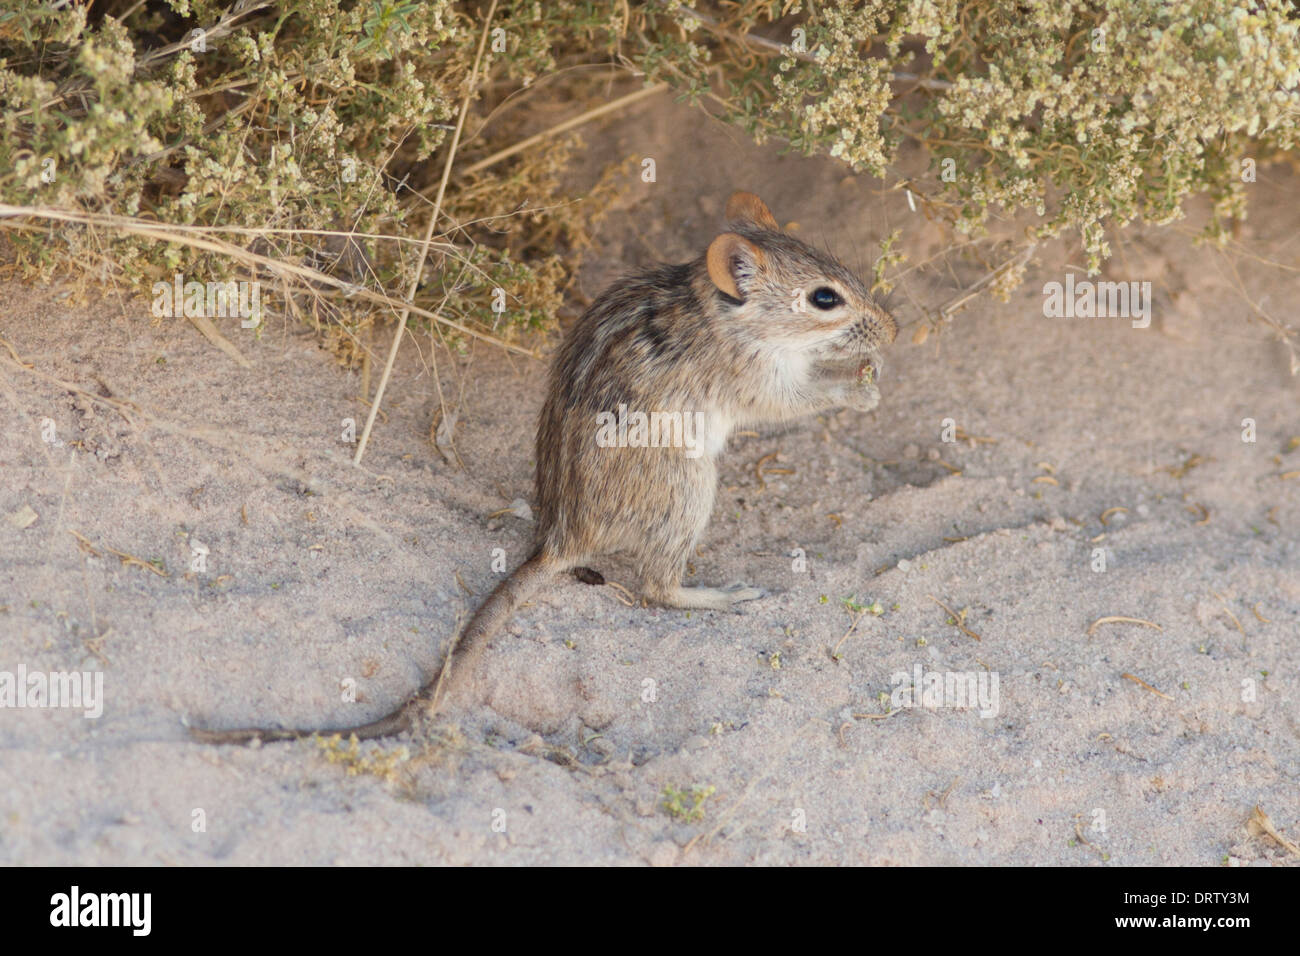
(826, 298)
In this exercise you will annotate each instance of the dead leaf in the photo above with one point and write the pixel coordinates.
(1260, 823)
(23, 518)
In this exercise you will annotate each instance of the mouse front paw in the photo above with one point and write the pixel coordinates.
(848, 384)
(864, 397)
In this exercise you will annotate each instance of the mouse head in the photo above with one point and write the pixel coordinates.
(788, 293)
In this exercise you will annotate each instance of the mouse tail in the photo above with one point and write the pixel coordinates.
(462, 657)
(500, 606)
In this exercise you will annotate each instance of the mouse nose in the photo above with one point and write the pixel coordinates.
(875, 327)
(884, 325)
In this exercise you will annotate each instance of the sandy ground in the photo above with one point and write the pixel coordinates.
(319, 574)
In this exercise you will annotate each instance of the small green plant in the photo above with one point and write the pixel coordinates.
(384, 764)
(854, 606)
(686, 805)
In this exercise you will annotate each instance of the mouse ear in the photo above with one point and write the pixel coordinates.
(746, 209)
(733, 261)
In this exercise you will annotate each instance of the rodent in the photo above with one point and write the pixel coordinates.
(760, 328)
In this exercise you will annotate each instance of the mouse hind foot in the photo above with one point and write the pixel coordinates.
(702, 599)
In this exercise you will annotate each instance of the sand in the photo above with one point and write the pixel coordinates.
(319, 576)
